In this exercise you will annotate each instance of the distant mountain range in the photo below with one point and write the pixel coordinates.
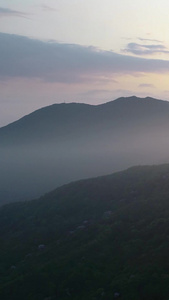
(65, 142)
(101, 238)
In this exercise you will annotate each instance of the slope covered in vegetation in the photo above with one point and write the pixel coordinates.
(104, 238)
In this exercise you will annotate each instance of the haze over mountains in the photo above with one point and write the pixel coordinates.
(66, 142)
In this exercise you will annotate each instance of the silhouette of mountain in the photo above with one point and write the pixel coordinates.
(65, 142)
(72, 119)
(100, 238)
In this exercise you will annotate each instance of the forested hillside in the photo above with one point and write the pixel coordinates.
(103, 238)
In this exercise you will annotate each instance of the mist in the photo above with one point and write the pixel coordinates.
(33, 165)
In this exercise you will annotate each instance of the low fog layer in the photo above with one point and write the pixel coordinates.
(67, 142)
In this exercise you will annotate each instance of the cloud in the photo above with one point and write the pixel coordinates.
(149, 40)
(139, 49)
(143, 39)
(48, 8)
(146, 85)
(6, 12)
(123, 91)
(23, 57)
(96, 92)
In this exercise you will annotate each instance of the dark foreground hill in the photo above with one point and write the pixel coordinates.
(104, 238)
(67, 142)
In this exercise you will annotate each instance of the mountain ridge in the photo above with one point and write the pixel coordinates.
(124, 100)
(56, 117)
(67, 142)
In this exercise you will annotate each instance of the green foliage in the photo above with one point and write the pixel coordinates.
(101, 237)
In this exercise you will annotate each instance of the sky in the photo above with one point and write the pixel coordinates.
(90, 51)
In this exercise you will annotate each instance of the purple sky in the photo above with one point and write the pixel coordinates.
(80, 51)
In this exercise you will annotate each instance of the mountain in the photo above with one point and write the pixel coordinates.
(62, 121)
(101, 238)
(66, 142)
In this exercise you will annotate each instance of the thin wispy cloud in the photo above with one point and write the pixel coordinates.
(68, 63)
(149, 40)
(96, 92)
(6, 12)
(123, 92)
(142, 39)
(146, 85)
(48, 8)
(142, 49)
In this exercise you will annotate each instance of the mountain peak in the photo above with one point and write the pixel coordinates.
(134, 100)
